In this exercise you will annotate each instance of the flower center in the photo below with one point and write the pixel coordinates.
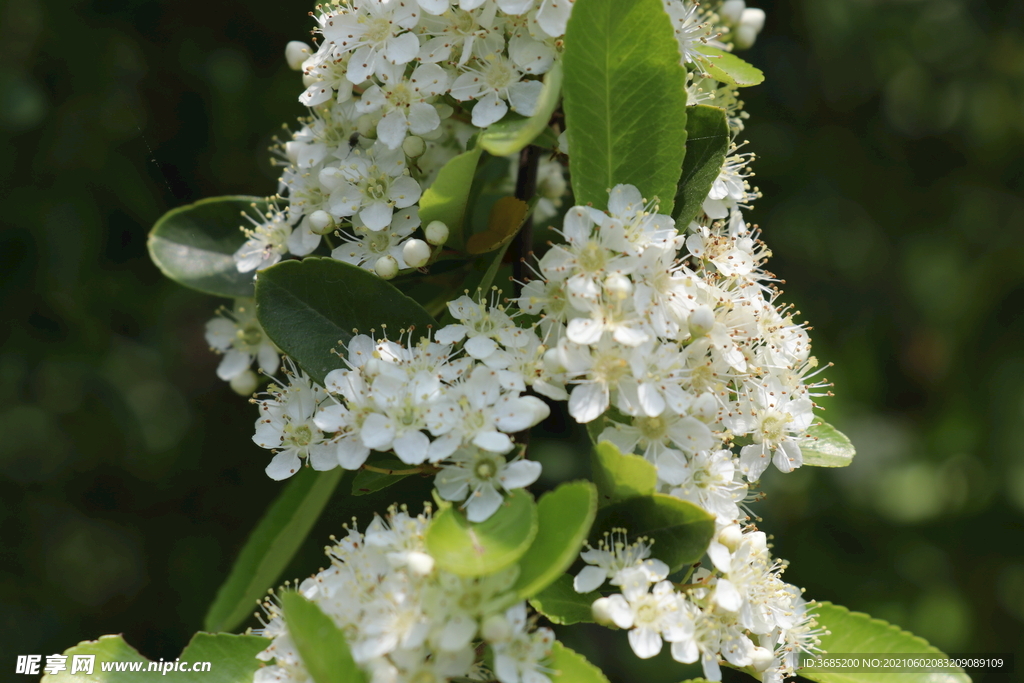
(593, 258)
(378, 30)
(485, 469)
(250, 336)
(646, 612)
(773, 427)
(300, 435)
(499, 75)
(651, 428)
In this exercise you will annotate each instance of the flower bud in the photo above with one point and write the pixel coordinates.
(413, 146)
(761, 658)
(321, 222)
(496, 628)
(618, 286)
(731, 536)
(701, 321)
(436, 232)
(601, 610)
(386, 267)
(416, 253)
(732, 10)
(295, 53)
(245, 383)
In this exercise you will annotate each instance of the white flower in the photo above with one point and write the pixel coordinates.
(707, 479)
(654, 436)
(648, 615)
(364, 246)
(519, 656)
(374, 34)
(286, 425)
(495, 83)
(240, 337)
(478, 475)
(266, 241)
(690, 33)
(483, 327)
(372, 184)
(406, 102)
(612, 558)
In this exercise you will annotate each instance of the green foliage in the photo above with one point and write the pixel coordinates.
(624, 100)
(572, 667)
(681, 530)
(477, 548)
(857, 633)
(707, 144)
(320, 643)
(513, 133)
(232, 660)
(271, 547)
(445, 200)
(561, 604)
(564, 516)
(621, 476)
(194, 245)
(832, 448)
(728, 68)
(309, 307)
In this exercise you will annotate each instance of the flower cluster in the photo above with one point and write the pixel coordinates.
(740, 609)
(238, 335)
(406, 620)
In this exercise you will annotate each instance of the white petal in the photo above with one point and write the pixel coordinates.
(284, 465)
(376, 216)
(489, 109)
(481, 347)
(402, 49)
(484, 502)
(234, 363)
(457, 633)
(645, 642)
(619, 611)
(411, 447)
(392, 128)
(588, 401)
(727, 597)
(404, 192)
(519, 474)
(496, 442)
(523, 96)
(651, 400)
(377, 432)
(589, 579)
(352, 453)
(423, 118)
(584, 331)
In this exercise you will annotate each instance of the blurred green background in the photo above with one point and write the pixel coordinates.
(890, 141)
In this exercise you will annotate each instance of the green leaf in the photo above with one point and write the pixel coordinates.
(728, 68)
(445, 200)
(271, 547)
(320, 643)
(232, 660)
(477, 548)
(707, 144)
(561, 604)
(620, 476)
(831, 447)
(194, 245)
(681, 530)
(564, 518)
(309, 307)
(571, 667)
(367, 481)
(857, 633)
(512, 134)
(624, 100)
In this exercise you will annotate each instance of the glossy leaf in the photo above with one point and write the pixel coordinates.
(232, 659)
(271, 546)
(512, 134)
(477, 548)
(620, 476)
(728, 68)
(445, 200)
(571, 667)
(707, 144)
(680, 529)
(624, 99)
(857, 633)
(320, 643)
(312, 306)
(830, 448)
(194, 244)
(561, 604)
(564, 518)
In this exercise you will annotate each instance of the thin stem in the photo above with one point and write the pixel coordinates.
(384, 470)
(526, 187)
